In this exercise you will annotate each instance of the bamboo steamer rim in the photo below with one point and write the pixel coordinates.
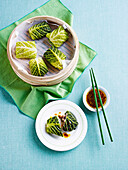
(53, 79)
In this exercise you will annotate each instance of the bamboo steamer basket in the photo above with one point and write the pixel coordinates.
(21, 66)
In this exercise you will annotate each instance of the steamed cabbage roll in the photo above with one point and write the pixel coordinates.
(38, 67)
(53, 126)
(58, 36)
(26, 49)
(38, 31)
(55, 57)
(69, 121)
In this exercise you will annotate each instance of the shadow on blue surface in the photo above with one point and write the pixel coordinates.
(93, 138)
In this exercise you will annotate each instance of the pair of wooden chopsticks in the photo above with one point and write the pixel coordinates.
(96, 86)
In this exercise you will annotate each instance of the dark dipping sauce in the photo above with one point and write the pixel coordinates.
(91, 100)
(65, 135)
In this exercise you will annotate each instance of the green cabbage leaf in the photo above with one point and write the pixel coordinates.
(55, 57)
(70, 122)
(53, 126)
(26, 49)
(58, 36)
(38, 31)
(38, 67)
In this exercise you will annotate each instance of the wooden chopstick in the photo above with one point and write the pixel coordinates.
(101, 133)
(105, 118)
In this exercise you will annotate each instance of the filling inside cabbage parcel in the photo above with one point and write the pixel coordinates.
(68, 123)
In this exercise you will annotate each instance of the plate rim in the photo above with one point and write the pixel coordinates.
(78, 141)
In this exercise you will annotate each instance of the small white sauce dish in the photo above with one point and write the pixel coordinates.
(85, 100)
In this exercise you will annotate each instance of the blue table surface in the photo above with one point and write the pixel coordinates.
(102, 25)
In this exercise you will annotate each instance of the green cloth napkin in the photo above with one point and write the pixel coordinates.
(30, 99)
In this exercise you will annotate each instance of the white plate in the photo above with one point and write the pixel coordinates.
(56, 142)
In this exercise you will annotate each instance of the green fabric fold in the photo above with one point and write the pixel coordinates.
(30, 99)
